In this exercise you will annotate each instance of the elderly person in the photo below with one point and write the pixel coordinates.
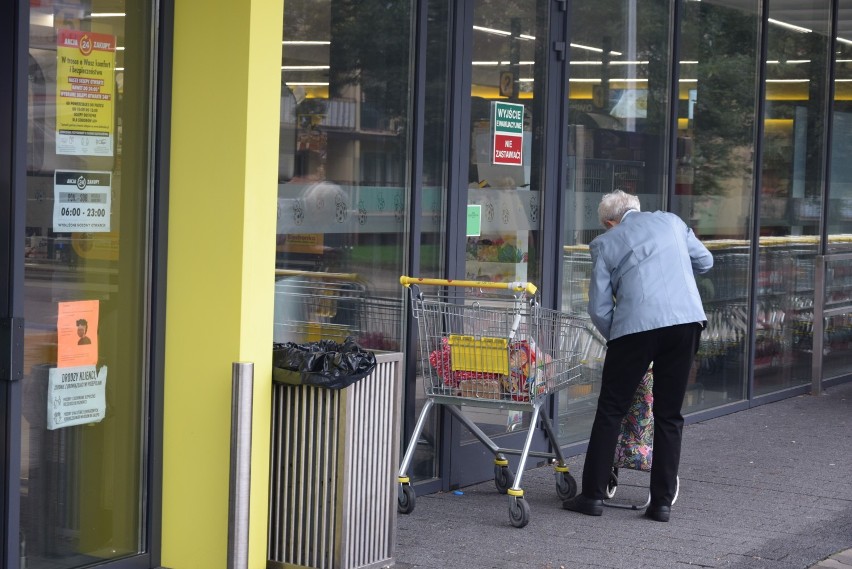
(644, 301)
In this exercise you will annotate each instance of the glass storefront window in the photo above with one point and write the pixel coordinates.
(793, 177)
(84, 448)
(714, 180)
(837, 332)
(619, 69)
(840, 189)
(837, 360)
(343, 172)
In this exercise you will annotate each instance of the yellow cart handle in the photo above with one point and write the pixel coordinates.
(529, 288)
(317, 275)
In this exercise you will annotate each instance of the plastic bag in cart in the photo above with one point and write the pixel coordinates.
(321, 364)
(530, 371)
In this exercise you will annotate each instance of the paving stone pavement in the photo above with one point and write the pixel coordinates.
(841, 560)
(765, 488)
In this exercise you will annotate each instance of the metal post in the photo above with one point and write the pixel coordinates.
(818, 325)
(242, 377)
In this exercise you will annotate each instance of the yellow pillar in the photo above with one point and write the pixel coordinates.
(221, 252)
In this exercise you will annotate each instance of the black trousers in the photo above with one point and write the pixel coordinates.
(672, 350)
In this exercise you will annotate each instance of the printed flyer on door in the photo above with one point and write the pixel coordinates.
(85, 93)
(76, 387)
(77, 333)
(76, 396)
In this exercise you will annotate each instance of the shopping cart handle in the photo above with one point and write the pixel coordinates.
(317, 275)
(529, 288)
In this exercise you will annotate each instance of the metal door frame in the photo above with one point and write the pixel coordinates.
(14, 26)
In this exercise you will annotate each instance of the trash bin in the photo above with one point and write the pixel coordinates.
(334, 458)
(322, 364)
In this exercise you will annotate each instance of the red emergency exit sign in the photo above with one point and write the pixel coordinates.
(508, 128)
(508, 149)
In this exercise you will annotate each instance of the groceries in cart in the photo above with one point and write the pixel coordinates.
(529, 370)
(492, 368)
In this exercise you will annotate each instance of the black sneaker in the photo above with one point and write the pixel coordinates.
(658, 513)
(588, 506)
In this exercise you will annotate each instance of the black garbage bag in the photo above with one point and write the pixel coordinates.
(323, 364)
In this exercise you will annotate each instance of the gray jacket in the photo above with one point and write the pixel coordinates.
(642, 275)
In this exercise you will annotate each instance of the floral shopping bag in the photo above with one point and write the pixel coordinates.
(636, 440)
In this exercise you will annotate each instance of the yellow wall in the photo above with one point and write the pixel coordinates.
(222, 204)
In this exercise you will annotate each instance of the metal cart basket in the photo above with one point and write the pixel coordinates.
(312, 306)
(492, 345)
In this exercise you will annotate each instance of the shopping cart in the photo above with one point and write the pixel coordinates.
(492, 345)
(314, 305)
(381, 324)
(576, 274)
(311, 306)
(635, 447)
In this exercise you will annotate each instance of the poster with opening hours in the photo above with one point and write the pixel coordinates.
(85, 93)
(82, 201)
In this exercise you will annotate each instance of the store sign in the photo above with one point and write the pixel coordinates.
(85, 93)
(474, 220)
(507, 83)
(508, 128)
(82, 201)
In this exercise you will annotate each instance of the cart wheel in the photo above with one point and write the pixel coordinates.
(503, 478)
(612, 485)
(405, 499)
(519, 512)
(566, 486)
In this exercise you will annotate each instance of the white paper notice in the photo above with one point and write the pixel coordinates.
(76, 396)
(81, 201)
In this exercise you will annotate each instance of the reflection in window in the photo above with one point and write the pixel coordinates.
(793, 175)
(837, 360)
(342, 172)
(714, 180)
(840, 190)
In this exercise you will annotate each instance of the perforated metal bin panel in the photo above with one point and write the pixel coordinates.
(335, 454)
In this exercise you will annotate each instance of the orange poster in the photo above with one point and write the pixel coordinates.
(77, 332)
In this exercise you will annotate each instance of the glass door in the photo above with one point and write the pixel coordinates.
(505, 190)
(84, 397)
(619, 60)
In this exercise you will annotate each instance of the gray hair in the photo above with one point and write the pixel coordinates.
(614, 205)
